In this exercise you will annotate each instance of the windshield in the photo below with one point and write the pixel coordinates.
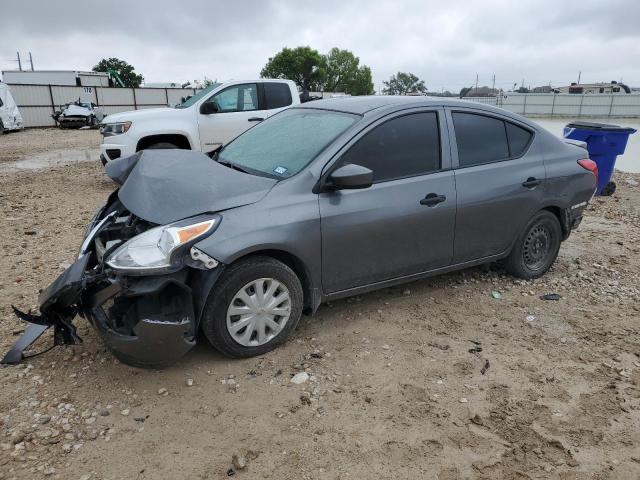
(194, 98)
(286, 143)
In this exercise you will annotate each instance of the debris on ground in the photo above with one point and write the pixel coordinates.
(485, 368)
(496, 294)
(299, 378)
(550, 296)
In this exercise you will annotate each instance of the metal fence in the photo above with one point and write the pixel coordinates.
(566, 105)
(38, 102)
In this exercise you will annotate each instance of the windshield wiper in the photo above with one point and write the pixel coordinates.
(231, 165)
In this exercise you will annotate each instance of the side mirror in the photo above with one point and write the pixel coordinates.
(207, 108)
(350, 176)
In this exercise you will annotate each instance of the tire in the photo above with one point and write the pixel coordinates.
(1, 128)
(609, 189)
(536, 248)
(162, 146)
(217, 325)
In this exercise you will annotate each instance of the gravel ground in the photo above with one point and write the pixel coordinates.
(394, 387)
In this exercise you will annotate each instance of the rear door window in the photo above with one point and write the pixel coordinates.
(402, 147)
(277, 95)
(480, 139)
(519, 139)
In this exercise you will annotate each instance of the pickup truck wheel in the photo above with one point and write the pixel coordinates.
(161, 146)
(253, 308)
(537, 247)
(1, 127)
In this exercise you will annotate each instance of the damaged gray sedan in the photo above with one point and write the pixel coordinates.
(322, 201)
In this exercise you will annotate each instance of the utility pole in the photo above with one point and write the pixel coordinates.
(493, 82)
(19, 62)
(579, 75)
(31, 61)
(476, 92)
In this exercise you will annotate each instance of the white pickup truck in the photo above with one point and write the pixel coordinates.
(210, 118)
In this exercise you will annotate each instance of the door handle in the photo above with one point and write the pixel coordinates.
(432, 200)
(256, 119)
(531, 182)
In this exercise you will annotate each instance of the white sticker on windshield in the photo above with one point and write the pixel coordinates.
(280, 170)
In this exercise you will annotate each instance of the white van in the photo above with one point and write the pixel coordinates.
(10, 118)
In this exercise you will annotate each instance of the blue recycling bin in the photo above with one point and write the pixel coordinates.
(604, 142)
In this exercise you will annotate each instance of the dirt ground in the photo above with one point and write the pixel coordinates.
(396, 388)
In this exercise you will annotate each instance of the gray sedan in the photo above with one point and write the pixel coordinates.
(322, 201)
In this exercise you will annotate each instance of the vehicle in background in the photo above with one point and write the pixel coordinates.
(10, 118)
(79, 114)
(204, 122)
(326, 200)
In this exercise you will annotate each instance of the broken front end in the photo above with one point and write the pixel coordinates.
(141, 285)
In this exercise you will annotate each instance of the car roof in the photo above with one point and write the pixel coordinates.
(382, 104)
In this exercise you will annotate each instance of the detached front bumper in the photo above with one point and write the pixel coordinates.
(144, 321)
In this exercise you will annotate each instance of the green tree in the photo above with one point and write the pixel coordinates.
(403, 83)
(125, 71)
(303, 65)
(343, 73)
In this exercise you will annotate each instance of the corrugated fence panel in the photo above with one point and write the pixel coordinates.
(62, 95)
(37, 116)
(108, 110)
(151, 96)
(25, 95)
(116, 96)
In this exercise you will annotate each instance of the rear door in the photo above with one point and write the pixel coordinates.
(239, 109)
(404, 223)
(276, 97)
(500, 176)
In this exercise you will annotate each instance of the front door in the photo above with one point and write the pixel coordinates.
(238, 110)
(404, 223)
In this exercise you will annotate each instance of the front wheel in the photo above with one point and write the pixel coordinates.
(537, 247)
(253, 308)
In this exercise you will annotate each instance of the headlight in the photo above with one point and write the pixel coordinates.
(111, 129)
(154, 249)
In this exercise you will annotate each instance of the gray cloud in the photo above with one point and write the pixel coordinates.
(445, 43)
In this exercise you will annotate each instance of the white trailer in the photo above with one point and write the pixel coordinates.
(56, 77)
(10, 118)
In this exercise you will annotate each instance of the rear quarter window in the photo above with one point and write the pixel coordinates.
(277, 95)
(519, 139)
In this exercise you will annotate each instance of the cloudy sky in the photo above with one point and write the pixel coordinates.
(446, 43)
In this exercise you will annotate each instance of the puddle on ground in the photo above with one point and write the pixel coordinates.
(50, 159)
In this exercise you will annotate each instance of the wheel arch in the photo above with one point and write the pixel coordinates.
(563, 216)
(311, 297)
(177, 139)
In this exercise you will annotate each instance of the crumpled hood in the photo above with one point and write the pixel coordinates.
(164, 186)
(76, 110)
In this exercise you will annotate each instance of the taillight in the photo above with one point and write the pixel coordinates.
(590, 165)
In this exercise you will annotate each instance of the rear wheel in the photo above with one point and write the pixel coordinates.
(253, 308)
(1, 127)
(537, 247)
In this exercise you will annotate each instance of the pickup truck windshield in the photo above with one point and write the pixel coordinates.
(194, 98)
(287, 142)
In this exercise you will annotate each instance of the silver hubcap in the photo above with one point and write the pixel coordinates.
(258, 312)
